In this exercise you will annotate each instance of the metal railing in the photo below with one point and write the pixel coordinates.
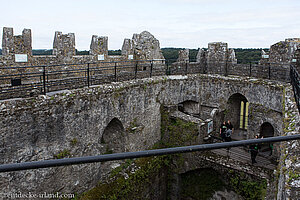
(33, 80)
(147, 153)
(29, 81)
(295, 81)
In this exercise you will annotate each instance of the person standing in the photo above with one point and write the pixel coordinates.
(229, 131)
(223, 129)
(230, 126)
(254, 151)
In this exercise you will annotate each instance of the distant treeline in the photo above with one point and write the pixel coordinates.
(242, 55)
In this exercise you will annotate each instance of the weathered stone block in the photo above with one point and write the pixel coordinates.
(99, 46)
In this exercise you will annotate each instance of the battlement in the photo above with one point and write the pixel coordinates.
(99, 46)
(282, 52)
(16, 44)
(64, 45)
(142, 46)
(17, 50)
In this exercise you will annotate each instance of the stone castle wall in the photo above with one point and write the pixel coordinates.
(17, 50)
(74, 121)
(283, 52)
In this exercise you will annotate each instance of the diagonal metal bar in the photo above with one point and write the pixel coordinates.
(146, 153)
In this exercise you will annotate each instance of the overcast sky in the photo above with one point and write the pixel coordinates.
(175, 23)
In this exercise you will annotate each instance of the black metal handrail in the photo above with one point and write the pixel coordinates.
(46, 78)
(147, 153)
(25, 81)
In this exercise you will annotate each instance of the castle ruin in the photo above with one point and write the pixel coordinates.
(17, 50)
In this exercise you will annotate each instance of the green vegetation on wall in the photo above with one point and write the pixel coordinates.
(200, 184)
(148, 178)
(176, 132)
(133, 184)
(249, 189)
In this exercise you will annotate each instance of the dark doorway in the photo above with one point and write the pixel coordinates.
(237, 111)
(113, 137)
(266, 130)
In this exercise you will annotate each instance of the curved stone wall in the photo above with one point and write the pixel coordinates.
(71, 123)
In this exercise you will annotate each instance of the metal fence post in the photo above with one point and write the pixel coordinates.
(115, 71)
(167, 68)
(250, 69)
(226, 68)
(269, 71)
(151, 67)
(136, 68)
(186, 67)
(44, 80)
(88, 74)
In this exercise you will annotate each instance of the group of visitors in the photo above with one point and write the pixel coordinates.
(226, 130)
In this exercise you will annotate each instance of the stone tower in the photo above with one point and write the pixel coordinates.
(64, 45)
(99, 46)
(19, 44)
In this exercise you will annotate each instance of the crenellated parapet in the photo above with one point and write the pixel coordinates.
(127, 48)
(17, 46)
(217, 57)
(17, 50)
(143, 46)
(64, 45)
(282, 52)
(183, 55)
(99, 47)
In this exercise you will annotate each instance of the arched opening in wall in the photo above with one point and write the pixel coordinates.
(237, 111)
(113, 137)
(266, 130)
(189, 107)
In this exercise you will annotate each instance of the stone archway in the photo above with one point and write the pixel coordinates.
(113, 137)
(237, 111)
(266, 130)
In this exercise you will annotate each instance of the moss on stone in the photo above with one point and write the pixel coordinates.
(249, 189)
(200, 185)
(176, 132)
(126, 183)
(62, 154)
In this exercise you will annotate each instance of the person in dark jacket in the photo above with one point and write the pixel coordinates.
(223, 129)
(229, 131)
(254, 151)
